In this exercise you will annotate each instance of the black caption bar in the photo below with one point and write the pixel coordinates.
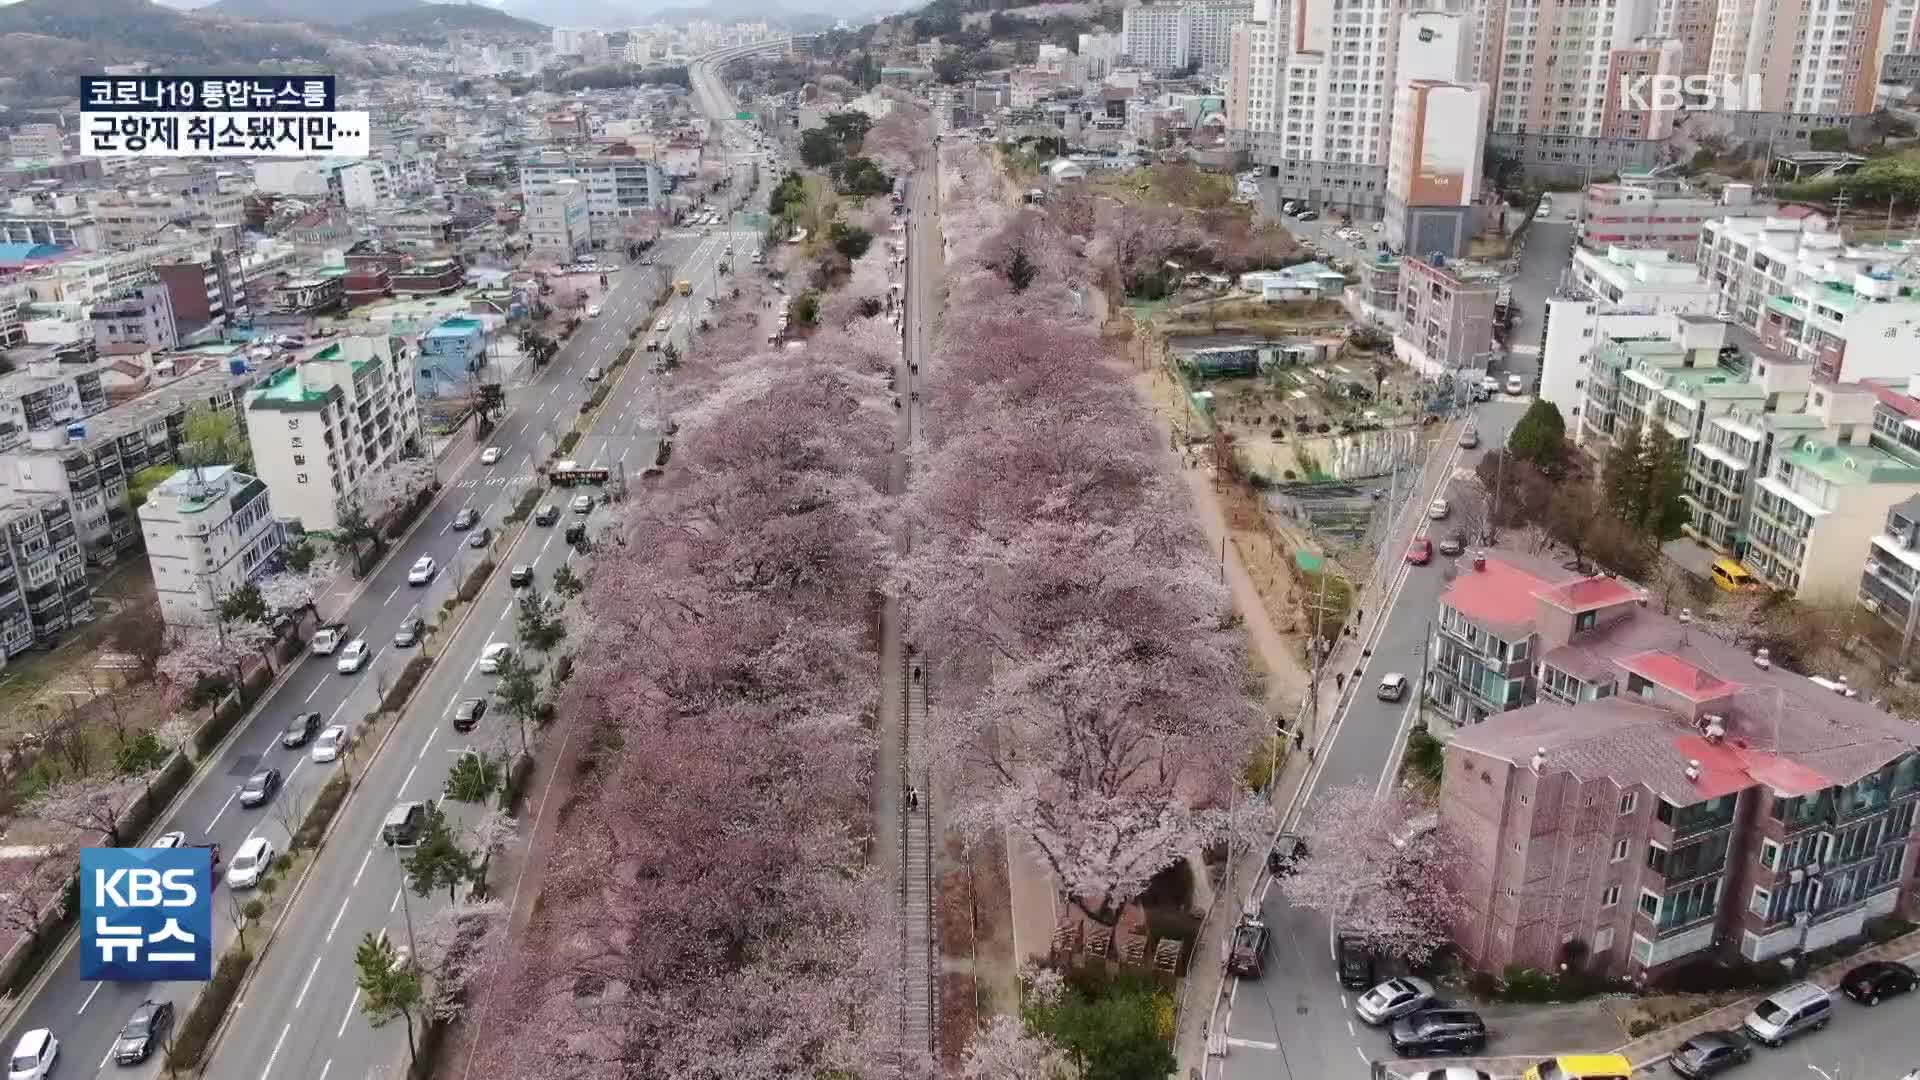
(206, 93)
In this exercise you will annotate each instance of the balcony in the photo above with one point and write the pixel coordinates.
(1703, 817)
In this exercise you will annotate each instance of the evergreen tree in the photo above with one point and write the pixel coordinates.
(1621, 478)
(1540, 437)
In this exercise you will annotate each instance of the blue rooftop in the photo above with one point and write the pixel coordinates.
(19, 253)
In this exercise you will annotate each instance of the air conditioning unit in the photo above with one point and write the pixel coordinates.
(1872, 605)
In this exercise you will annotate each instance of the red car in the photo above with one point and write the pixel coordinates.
(1421, 553)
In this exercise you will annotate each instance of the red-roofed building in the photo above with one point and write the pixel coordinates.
(1646, 796)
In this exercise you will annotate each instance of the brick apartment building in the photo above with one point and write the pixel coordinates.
(1654, 794)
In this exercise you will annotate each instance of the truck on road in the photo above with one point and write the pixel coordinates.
(328, 639)
(683, 287)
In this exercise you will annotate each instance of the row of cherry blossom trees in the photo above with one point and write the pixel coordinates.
(707, 908)
(1094, 699)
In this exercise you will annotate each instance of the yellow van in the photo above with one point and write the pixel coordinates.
(1582, 1067)
(683, 287)
(1733, 577)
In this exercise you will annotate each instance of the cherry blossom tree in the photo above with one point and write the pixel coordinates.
(1005, 1050)
(293, 590)
(382, 492)
(458, 944)
(194, 652)
(92, 804)
(26, 903)
(1380, 867)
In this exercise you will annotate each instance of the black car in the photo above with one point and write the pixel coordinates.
(146, 1028)
(410, 633)
(300, 729)
(481, 537)
(1287, 850)
(1355, 962)
(260, 787)
(577, 534)
(466, 519)
(468, 713)
(1868, 983)
(1453, 544)
(1708, 1053)
(546, 515)
(520, 577)
(1438, 1031)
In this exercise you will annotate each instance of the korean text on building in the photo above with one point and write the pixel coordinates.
(146, 914)
(285, 116)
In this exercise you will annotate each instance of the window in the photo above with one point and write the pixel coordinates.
(1610, 896)
(1628, 801)
(1619, 850)
(1603, 941)
(1649, 903)
(1657, 859)
(1760, 901)
(1769, 854)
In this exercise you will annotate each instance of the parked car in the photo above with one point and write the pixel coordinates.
(1247, 955)
(1453, 544)
(1393, 999)
(410, 632)
(33, 1055)
(303, 727)
(660, 327)
(493, 656)
(1452, 1072)
(593, 311)
(353, 657)
(490, 456)
(1787, 1013)
(466, 519)
(520, 576)
(250, 863)
(1420, 552)
(468, 713)
(1354, 961)
(1869, 983)
(146, 1028)
(331, 744)
(1439, 509)
(1285, 854)
(1438, 1031)
(1710, 1053)
(1393, 686)
(260, 787)
(403, 824)
(546, 515)
(1516, 385)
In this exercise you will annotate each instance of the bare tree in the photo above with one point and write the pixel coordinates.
(25, 908)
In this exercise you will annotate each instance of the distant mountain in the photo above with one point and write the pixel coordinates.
(579, 14)
(330, 13)
(430, 23)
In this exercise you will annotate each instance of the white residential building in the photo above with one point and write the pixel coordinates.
(1102, 52)
(1808, 56)
(557, 224)
(208, 532)
(1611, 295)
(1172, 36)
(1438, 137)
(321, 427)
(364, 185)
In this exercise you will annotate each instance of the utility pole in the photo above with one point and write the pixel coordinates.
(1840, 204)
(1319, 647)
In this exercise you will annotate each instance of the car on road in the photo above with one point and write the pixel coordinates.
(422, 570)
(1393, 686)
(546, 515)
(520, 576)
(582, 503)
(1353, 961)
(1285, 854)
(468, 713)
(171, 840)
(331, 744)
(259, 788)
(660, 327)
(1438, 1031)
(1788, 1012)
(146, 1028)
(577, 535)
(593, 311)
(466, 519)
(411, 630)
(480, 537)
(300, 730)
(490, 456)
(33, 1055)
(1871, 983)
(1710, 1053)
(1247, 954)
(1439, 509)
(1516, 385)
(593, 375)
(353, 657)
(1393, 999)
(403, 824)
(1469, 439)
(653, 344)
(493, 656)
(1420, 552)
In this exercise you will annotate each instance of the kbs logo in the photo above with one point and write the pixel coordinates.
(146, 914)
(1670, 93)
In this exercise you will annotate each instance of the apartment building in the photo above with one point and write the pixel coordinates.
(43, 576)
(557, 223)
(89, 279)
(1632, 110)
(1174, 36)
(1675, 379)
(1730, 455)
(57, 220)
(1310, 99)
(1446, 316)
(365, 185)
(1689, 23)
(37, 142)
(1667, 798)
(1816, 57)
(139, 319)
(1438, 137)
(1821, 501)
(204, 290)
(208, 532)
(44, 395)
(321, 427)
(620, 186)
(1890, 583)
(1647, 210)
(1616, 293)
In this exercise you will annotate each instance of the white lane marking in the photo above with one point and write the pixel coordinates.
(430, 737)
(308, 985)
(315, 690)
(408, 780)
(396, 900)
(348, 1019)
(216, 817)
(363, 867)
(89, 1001)
(390, 596)
(1252, 1044)
(277, 1043)
(325, 1069)
(337, 916)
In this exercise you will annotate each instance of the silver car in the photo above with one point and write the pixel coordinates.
(1393, 999)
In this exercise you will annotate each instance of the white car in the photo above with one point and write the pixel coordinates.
(353, 657)
(493, 656)
(422, 570)
(250, 864)
(593, 312)
(660, 327)
(1439, 510)
(490, 456)
(1515, 385)
(1393, 999)
(171, 840)
(33, 1055)
(331, 744)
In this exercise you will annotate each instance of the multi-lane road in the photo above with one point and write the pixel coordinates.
(299, 1016)
(1295, 1022)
